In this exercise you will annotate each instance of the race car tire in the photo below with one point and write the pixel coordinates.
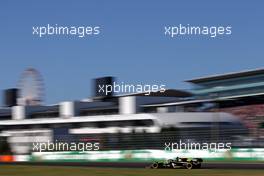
(188, 166)
(155, 165)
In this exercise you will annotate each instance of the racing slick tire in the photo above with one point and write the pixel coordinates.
(189, 166)
(155, 165)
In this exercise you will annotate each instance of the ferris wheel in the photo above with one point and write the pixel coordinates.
(31, 86)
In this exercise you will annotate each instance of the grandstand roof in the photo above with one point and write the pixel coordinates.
(245, 73)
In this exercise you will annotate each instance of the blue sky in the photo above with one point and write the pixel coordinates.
(131, 46)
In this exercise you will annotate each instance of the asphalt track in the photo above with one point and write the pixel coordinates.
(138, 165)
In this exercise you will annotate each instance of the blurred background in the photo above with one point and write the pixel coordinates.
(214, 85)
(136, 127)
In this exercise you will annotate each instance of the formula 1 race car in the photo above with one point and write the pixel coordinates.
(187, 163)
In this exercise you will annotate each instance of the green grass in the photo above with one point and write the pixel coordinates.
(16, 170)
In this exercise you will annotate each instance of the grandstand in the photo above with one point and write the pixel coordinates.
(136, 121)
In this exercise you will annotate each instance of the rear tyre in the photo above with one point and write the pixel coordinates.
(189, 166)
(155, 165)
